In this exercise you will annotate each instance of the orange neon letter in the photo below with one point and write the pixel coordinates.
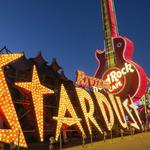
(119, 113)
(101, 99)
(65, 104)
(7, 106)
(126, 106)
(83, 98)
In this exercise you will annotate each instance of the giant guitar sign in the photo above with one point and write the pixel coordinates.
(115, 62)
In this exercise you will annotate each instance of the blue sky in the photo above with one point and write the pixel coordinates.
(71, 30)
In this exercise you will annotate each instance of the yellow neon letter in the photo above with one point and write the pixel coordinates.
(37, 91)
(121, 116)
(65, 104)
(125, 104)
(83, 98)
(101, 99)
(7, 106)
(134, 108)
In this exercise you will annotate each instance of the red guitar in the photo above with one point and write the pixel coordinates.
(115, 62)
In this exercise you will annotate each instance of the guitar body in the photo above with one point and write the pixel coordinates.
(126, 77)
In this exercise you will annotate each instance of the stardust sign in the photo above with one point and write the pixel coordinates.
(112, 109)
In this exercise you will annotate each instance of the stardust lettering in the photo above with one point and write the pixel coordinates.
(109, 106)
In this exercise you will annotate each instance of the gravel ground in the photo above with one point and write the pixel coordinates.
(139, 141)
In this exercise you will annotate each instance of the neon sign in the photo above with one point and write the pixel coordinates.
(7, 108)
(37, 91)
(111, 107)
(65, 104)
(113, 80)
(117, 78)
(82, 80)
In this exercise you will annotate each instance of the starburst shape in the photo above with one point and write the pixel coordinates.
(37, 90)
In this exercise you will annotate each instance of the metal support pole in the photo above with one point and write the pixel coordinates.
(121, 131)
(60, 140)
(83, 141)
(146, 123)
(131, 130)
(51, 142)
(111, 134)
(104, 134)
(91, 139)
(18, 140)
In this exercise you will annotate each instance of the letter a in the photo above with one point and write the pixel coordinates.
(65, 104)
(84, 95)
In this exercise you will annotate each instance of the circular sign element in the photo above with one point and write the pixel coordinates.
(116, 79)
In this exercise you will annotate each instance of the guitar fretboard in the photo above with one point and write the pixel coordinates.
(110, 30)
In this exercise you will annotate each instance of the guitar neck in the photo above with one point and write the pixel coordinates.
(110, 30)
